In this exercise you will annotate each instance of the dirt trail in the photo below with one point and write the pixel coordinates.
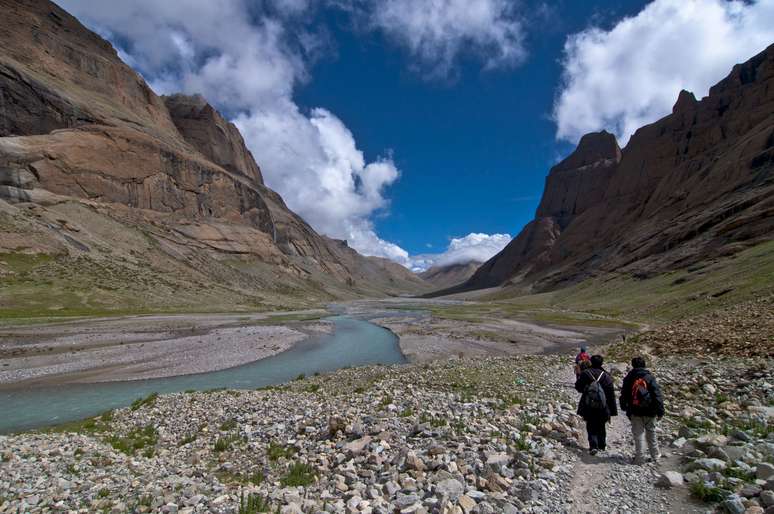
(610, 483)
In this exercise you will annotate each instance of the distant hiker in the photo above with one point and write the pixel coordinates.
(583, 356)
(597, 402)
(642, 401)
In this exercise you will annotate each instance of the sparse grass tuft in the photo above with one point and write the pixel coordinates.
(229, 424)
(186, 439)
(147, 401)
(225, 443)
(276, 452)
(299, 474)
(253, 503)
(137, 439)
(708, 493)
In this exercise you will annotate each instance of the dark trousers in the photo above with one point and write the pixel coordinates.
(597, 433)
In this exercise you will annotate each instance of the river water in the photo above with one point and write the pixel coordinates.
(355, 342)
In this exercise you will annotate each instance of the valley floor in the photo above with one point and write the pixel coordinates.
(481, 421)
(141, 347)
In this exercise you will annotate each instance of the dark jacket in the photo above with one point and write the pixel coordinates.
(656, 407)
(586, 378)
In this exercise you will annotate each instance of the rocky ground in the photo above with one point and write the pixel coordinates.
(484, 436)
(745, 329)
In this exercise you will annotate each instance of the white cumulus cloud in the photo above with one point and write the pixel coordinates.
(630, 75)
(247, 64)
(438, 32)
(474, 247)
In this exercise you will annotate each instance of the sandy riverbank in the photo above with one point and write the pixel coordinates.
(425, 337)
(141, 347)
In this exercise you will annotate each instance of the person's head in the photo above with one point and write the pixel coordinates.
(596, 361)
(584, 365)
(638, 362)
(583, 349)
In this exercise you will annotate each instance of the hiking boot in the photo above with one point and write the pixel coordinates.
(593, 451)
(655, 458)
(638, 460)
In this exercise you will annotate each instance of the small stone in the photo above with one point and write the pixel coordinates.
(707, 465)
(733, 505)
(466, 503)
(405, 500)
(357, 446)
(764, 471)
(669, 479)
(451, 488)
(750, 491)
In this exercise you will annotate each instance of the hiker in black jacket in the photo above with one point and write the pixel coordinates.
(597, 403)
(642, 401)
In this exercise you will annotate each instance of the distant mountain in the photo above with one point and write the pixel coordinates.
(695, 185)
(442, 277)
(128, 199)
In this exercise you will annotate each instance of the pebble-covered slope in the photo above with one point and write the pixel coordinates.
(484, 436)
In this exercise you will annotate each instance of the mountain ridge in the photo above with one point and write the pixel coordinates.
(694, 185)
(78, 126)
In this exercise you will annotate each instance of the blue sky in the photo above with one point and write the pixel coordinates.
(422, 130)
(473, 149)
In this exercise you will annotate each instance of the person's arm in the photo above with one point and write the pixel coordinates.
(610, 393)
(580, 382)
(656, 392)
(625, 388)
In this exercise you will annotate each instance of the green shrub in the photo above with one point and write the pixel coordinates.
(299, 474)
(739, 473)
(708, 493)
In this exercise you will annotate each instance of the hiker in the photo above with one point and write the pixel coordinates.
(642, 402)
(597, 402)
(583, 356)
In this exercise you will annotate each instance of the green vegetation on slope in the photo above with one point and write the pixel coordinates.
(678, 294)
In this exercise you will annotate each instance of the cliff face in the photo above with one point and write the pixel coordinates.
(696, 184)
(79, 126)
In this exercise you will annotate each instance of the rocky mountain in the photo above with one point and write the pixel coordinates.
(442, 277)
(120, 197)
(693, 186)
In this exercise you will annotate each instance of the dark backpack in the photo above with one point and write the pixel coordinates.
(641, 397)
(594, 398)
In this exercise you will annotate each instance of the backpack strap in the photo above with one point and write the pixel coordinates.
(592, 375)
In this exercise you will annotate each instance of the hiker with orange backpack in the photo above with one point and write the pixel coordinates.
(642, 402)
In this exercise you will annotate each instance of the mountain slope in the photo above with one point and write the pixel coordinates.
(96, 171)
(695, 185)
(442, 277)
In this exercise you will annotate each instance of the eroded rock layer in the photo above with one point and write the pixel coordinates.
(77, 125)
(697, 184)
